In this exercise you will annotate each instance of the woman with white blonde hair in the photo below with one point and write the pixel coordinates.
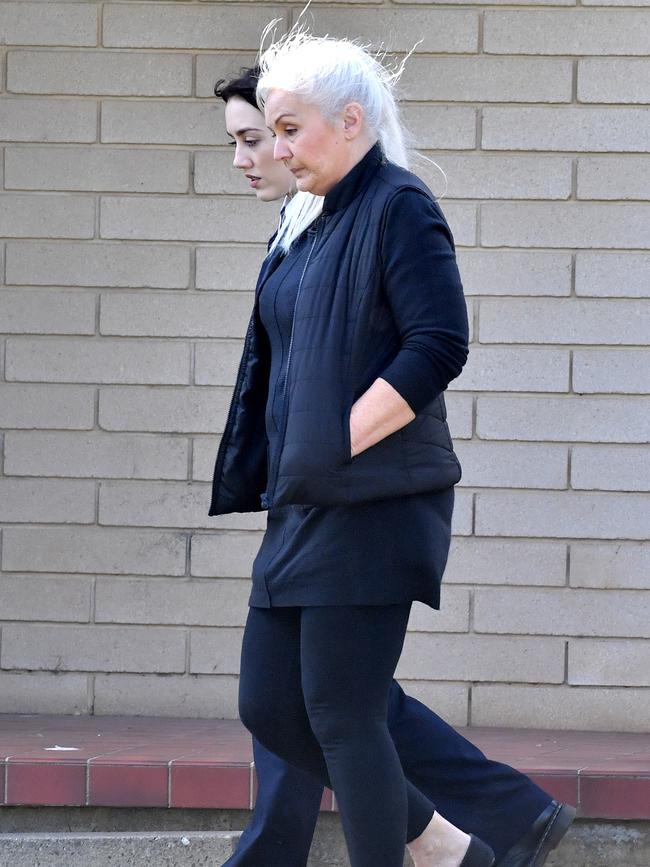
(337, 427)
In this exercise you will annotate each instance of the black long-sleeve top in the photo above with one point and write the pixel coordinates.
(423, 287)
(387, 550)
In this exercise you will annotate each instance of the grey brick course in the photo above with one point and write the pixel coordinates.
(168, 122)
(440, 126)
(512, 465)
(94, 454)
(58, 23)
(93, 549)
(99, 72)
(572, 612)
(620, 177)
(163, 410)
(609, 662)
(44, 692)
(59, 598)
(230, 267)
(612, 274)
(515, 272)
(621, 565)
(184, 219)
(562, 514)
(610, 468)
(101, 263)
(154, 504)
(33, 312)
(566, 31)
(488, 79)
(38, 120)
(94, 648)
(616, 79)
(496, 368)
(570, 224)
(93, 168)
(398, 30)
(481, 560)
(178, 25)
(43, 406)
(194, 602)
(507, 177)
(566, 128)
(567, 321)
(171, 314)
(88, 359)
(611, 370)
(479, 657)
(47, 501)
(212, 695)
(47, 215)
(598, 709)
(570, 419)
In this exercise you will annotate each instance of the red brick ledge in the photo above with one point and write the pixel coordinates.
(136, 761)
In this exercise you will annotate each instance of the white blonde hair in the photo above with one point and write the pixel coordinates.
(330, 73)
(299, 212)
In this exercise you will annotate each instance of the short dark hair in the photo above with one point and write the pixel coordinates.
(243, 86)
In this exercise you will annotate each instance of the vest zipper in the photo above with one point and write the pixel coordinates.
(267, 496)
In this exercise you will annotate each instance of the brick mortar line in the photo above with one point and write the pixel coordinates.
(183, 99)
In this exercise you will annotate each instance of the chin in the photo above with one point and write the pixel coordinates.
(305, 185)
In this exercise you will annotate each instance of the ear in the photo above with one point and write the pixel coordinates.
(353, 119)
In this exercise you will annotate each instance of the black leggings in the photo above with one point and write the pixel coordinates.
(313, 689)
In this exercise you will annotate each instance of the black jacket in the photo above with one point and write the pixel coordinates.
(380, 296)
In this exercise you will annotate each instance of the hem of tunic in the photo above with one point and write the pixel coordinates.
(258, 601)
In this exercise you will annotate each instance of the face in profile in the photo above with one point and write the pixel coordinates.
(314, 150)
(253, 145)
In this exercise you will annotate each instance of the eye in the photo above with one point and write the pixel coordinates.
(231, 143)
(250, 142)
(290, 130)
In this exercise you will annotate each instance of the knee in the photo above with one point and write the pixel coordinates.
(334, 726)
(256, 715)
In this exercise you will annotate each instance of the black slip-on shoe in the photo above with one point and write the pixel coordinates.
(544, 834)
(478, 854)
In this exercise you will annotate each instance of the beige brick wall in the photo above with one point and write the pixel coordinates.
(128, 256)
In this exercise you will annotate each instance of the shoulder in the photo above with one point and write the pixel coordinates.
(405, 197)
(409, 212)
(396, 178)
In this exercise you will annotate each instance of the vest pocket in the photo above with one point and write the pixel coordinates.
(347, 444)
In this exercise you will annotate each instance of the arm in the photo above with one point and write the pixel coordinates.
(424, 291)
(377, 413)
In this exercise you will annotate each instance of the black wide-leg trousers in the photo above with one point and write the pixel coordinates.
(313, 689)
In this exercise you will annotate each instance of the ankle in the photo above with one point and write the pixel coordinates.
(440, 843)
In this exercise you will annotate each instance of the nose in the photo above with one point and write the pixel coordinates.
(240, 160)
(281, 150)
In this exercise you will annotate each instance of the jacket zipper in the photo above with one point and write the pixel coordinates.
(267, 496)
(225, 437)
(232, 411)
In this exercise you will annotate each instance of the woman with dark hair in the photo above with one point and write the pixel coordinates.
(485, 798)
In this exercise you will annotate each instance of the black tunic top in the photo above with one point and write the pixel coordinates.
(378, 552)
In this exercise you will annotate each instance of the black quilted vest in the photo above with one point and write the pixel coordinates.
(343, 336)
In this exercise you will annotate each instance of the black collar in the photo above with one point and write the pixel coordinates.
(345, 190)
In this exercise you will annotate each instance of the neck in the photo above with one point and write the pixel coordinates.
(358, 149)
